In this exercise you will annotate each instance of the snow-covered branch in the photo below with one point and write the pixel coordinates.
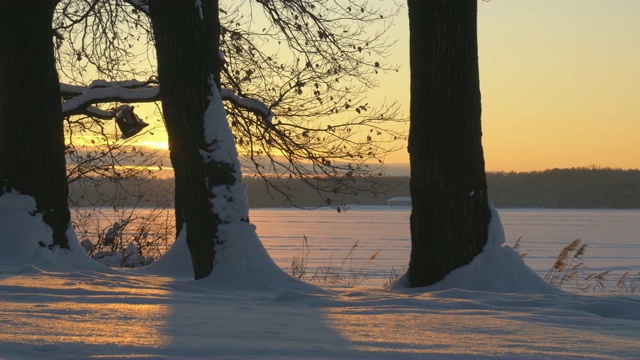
(254, 105)
(139, 5)
(81, 98)
(75, 90)
(96, 112)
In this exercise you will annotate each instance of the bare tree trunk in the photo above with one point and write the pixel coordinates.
(450, 214)
(187, 42)
(32, 157)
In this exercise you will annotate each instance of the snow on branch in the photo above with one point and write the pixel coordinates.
(75, 90)
(81, 98)
(254, 105)
(99, 113)
(139, 5)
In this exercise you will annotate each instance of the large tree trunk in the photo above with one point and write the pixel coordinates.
(187, 42)
(450, 213)
(32, 157)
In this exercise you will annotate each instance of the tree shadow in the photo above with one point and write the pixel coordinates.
(45, 314)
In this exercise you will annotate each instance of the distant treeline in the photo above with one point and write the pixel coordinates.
(159, 192)
(304, 195)
(579, 188)
(557, 188)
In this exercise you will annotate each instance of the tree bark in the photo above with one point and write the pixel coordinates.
(187, 42)
(32, 159)
(450, 213)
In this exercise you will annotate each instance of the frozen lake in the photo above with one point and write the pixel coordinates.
(348, 240)
(613, 237)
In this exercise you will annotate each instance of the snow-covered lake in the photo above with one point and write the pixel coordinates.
(613, 237)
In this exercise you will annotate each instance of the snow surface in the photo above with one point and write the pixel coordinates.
(60, 304)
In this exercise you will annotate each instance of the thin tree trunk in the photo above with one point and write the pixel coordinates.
(187, 42)
(32, 157)
(450, 214)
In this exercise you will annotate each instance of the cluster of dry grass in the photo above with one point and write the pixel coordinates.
(122, 237)
(570, 273)
(344, 273)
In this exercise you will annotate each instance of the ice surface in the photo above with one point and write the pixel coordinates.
(57, 305)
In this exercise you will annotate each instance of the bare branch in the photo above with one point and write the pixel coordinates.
(312, 64)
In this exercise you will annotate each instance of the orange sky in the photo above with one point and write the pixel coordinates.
(559, 82)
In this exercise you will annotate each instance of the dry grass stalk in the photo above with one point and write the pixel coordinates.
(393, 276)
(568, 265)
(516, 247)
(568, 269)
(626, 284)
(345, 274)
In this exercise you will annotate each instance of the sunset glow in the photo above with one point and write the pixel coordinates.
(154, 144)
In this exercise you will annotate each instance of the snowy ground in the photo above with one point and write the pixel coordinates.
(64, 305)
(62, 315)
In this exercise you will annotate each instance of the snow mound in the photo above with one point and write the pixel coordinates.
(23, 231)
(242, 264)
(498, 268)
(176, 262)
(245, 262)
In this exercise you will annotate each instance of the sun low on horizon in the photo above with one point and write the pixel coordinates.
(156, 144)
(558, 79)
